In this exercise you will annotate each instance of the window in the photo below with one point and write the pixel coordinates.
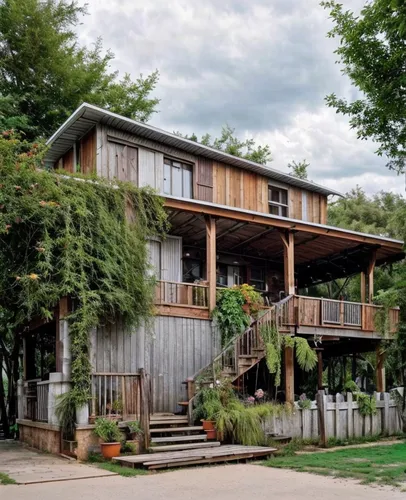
(278, 201)
(258, 278)
(178, 179)
(304, 205)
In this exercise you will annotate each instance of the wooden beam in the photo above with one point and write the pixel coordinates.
(253, 238)
(363, 288)
(371, 268)
(380, 370)
(232, 229)
(211, 260)
(289, 375)
(288, 241)
(269, 220)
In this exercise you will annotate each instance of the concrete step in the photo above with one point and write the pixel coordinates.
(189, 428)
(179, 439)
(186, 446)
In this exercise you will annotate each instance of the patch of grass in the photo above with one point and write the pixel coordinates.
(102, 463)
(5, 479)
(377, 464)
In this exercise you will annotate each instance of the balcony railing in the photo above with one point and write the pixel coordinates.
(36, 400)
(193, 295)
(329, 313)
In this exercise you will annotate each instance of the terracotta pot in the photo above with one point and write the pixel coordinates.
(208, 425)
(110, 450)
(211, 434)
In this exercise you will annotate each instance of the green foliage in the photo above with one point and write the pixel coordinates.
(366, 404)
(207, 403)
(299, 169)
(371, 50)
(351, 386)
(135, 427)
(6, 479)
(230, 144)
(60, 236)
(379, 464)
(274, 342)
(107, 430)
(46, 74)
(65, 411)
(234, 308)
(382, 214)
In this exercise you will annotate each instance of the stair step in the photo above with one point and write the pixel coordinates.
(183, 421)
(177, 429)
(179, 439)
(186, 446)
(247, 356)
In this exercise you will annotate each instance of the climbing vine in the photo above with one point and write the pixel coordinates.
(86, 239)
(274, 342)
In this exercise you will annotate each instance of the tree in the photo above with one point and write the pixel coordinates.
(372, 51)
(299, 170)
(45, 74)
(230, 144)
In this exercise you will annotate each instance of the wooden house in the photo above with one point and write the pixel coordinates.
(232, 221)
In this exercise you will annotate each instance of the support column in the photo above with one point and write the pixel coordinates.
(211, 260)
(64, 344)
(288, 241)
(363, 288)
(320, 369)
(371, 267)
(289, 375)
(380, 370)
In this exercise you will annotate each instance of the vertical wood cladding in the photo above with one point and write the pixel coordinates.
(203, 185)
(88, 153)
(68, 161)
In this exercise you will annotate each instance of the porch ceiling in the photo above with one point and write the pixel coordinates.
(318, 257)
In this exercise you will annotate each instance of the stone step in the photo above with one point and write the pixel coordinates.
(189, 428)
(179, 439)
(186, 446)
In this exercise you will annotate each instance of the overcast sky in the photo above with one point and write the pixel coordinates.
(262, 66)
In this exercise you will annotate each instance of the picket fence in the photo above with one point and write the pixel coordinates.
(342, 419)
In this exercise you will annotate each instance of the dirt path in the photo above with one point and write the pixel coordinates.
(337, 448)
(27, 466)
(231, 482)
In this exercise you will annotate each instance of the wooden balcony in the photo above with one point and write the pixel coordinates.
(187, 300)
(300, 314)
(338, 317)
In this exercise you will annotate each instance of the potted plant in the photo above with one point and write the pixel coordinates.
(135, 429)
(207, 405)
(107, 430)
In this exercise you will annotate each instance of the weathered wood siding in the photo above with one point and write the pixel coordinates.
(174, 349)
(88, 153)
(306, 205)
(68, 161)
(203, 185)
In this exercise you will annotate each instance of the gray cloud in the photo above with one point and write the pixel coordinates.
(263, 66)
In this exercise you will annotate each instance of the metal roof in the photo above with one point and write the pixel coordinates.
(87, 115)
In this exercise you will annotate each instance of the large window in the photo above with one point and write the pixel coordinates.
(278, 201)
(178, 178)
(258, 278)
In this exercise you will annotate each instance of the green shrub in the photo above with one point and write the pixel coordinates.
(107, 430)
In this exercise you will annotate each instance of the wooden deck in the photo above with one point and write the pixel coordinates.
(215, 454)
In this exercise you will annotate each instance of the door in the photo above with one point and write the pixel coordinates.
(234, 276)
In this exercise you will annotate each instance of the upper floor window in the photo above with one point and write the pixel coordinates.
(178, 178)
(278, 201)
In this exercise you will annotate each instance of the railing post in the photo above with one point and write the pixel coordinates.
(144, 410)
(288, 241)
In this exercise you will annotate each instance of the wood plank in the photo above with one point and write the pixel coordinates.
(176, 439)
(196, 460)
(186, 446)
(177, 429)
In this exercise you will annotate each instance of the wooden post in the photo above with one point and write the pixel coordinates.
(350, 416)
(288, 241)
(322, 413)
(380, 370)
(211, 260)
(289, 375)
(363, 288)
(320, 369)
(371, 267)
(145, 406)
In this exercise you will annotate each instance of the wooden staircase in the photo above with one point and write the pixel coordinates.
(246, 350)
(173, 433)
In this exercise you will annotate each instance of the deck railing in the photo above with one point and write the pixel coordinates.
(330, 313)
(181, 294)
(36, 400)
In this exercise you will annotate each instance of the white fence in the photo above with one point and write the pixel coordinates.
(342, 417)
